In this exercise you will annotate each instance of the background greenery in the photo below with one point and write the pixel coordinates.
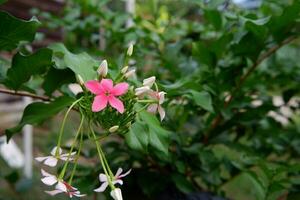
(232, 81)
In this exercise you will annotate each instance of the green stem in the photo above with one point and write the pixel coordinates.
(101, 158)
(61, 175)
(147, 101)
(76, 159)
(145, 106)
(63, 125)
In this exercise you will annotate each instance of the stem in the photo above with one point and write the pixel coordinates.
(63, 125)
(147, 101)
(76, 159)
(71, 150)
(145, 106)
(101, 158)
(217, 120)
(24, 94)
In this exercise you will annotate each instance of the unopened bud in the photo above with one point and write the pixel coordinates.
(142, 90)
(129, 73)
(80, 80)
(124, 69)
(113, 129)
(130, 50)
(102, 70)
(149, 81)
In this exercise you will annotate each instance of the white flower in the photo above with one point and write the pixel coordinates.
(153, 108)
(60, 187)
(130, 50)
(103, 69)
(113, 129)
(53, 158)
(129, 73)
(149, 81)
(124, 69)
(116, 194)
(116, 179)
(142, 90)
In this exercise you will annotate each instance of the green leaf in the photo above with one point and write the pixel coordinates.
(81, 64)
(14, 30)
(203, 54)
(38, 112)
(202, 99)
(55, 78)
(138, 137)
(23, 67)
(214, 17)
(182, 183)
(2, 1)
(158, 137)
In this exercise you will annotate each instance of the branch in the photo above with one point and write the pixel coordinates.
(24, 94)
(217, 120)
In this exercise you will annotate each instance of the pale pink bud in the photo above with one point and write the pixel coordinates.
(149, 81)
(102, 70)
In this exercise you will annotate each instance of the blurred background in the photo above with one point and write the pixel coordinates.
(201, 52)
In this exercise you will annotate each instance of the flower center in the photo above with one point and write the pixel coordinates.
(107, 93)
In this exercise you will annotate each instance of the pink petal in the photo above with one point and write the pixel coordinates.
(53, 192)
(116, 103)
(61, 186)
(107, 84)
(94, 87)
(152, 108)
(119, 181)
(100, 102)
(44, 173)
(120, 89)
(102, 187)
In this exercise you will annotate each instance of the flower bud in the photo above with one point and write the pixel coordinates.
(124, 69)
(80, 80)
(129, 73)
(116, 194)
(113, 129)
(130, 50)
(102, 70)
(141, 90)
(149, 81)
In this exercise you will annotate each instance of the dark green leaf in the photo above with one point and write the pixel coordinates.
(214, 17)
(14, 30)
(23, 67)
(138, 137)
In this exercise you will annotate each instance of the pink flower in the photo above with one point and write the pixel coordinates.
(106, 93)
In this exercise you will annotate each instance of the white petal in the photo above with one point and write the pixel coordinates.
(61, 186)
(117, 181)
(152, 108)
(149, 81)
(123, 175)
(161, 112)
(51, 161)
(102, 178)
(49, 180)
(119, 172)
(41, 159)
(79, 195)
(141, 90)
(116, 194)
(53, 151)
(102, 187)
(161, 96)
(44, 173)
(53, 192)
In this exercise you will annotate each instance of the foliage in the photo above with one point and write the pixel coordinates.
(222, 68)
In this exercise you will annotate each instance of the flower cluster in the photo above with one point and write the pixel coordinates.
(109, 104)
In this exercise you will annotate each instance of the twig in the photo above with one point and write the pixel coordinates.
(24, 94)
(217, 120)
